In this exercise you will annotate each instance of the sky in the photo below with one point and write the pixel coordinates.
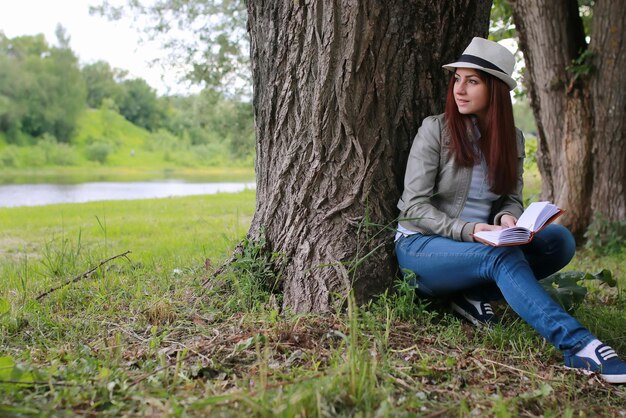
(92, 38)
(95, 38)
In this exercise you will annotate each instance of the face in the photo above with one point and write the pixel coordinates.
(470, 93)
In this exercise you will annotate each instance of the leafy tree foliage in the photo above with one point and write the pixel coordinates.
(212, 118)
(102, 82)
(209, 36)
(503, 27)
(138, 103)
(41, 88)
(42, 91)
(501, 24)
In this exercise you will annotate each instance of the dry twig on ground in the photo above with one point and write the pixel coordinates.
(82, 275)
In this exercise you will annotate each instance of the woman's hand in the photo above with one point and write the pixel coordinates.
(486, 227)
(508, 221)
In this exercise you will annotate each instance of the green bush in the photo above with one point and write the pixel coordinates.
(17, 137)
(9, 157)
(606, 237)
(567, 288)
(255, 275)
(56, 153)
(46, 152)
(210, 154)
(163, 140)
(98, 151)
(64, 155)
(33, 157)
(206, 155)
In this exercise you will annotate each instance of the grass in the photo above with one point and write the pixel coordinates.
(165, 233)
(144, 337)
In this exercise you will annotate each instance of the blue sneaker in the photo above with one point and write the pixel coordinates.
(477, 312)
(605, 363)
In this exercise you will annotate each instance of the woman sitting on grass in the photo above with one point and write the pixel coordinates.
(464, 175)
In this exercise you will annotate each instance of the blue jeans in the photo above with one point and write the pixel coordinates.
(445, 267)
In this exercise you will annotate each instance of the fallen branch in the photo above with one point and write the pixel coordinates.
(83, 275)
(515, 369)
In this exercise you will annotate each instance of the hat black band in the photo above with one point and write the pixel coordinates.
(472, 59)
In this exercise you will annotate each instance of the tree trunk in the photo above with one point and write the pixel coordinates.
(551, 37)
(577, 107)
(340, 88)
(607, 46)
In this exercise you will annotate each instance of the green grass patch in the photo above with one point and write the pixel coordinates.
(158, 334)
(42, 247)
(105, 123)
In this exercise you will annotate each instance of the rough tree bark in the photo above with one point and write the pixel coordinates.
(340, 88)
(608, 47)
(580, 116)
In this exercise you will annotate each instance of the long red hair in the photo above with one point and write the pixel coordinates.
(498, 144)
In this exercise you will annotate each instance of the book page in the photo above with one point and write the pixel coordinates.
(505, 236)
(536, 215)
(533, 219)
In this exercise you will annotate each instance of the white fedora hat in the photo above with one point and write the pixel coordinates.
(488, 56)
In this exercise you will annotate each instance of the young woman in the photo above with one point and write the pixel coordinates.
(464, 175)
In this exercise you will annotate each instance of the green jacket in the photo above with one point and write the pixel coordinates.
(435, 189)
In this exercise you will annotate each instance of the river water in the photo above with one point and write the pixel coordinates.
(14, 195)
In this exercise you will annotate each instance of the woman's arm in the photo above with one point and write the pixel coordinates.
(420, 187)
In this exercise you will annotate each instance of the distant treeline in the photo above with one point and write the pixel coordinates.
(44, 91)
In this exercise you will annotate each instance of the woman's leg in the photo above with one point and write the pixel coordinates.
(445, 267)
(551, 249)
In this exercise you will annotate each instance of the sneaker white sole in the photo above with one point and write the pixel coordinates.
(456, 308)
(614, 378)
(609, 378)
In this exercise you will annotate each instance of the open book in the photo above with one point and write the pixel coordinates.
(534, 218)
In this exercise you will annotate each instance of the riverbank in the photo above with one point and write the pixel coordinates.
(160, 232)
(74, 175)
